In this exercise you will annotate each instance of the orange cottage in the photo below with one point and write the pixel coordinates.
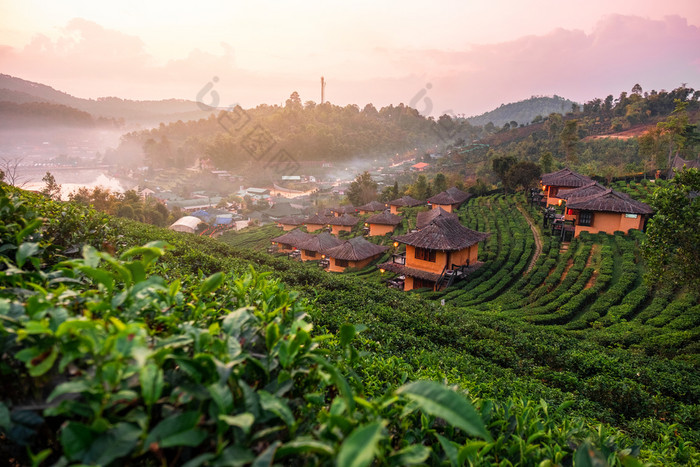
(404, 202)
(290, 223)
(316, 222)
(608, 211)
(383, 223)
(437, 253)
(290, 241)
(344, 223)
(354, 253)
(369, 208)
(449, 200)
(562, 179)
(315, 246)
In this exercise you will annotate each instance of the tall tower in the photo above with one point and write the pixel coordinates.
(323, 89)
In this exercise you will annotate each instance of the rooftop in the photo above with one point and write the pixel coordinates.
(609, 201)
(372, 206)
(294, 238)
(406, 201)
(426, 217)
(565, 177)
(321, 242)
(444, 234)
(344, 220)
(385, 218)
(450, 196)
(356, 249)
(584, 191)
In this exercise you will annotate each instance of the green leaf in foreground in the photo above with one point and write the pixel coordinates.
(359, 448)
(435, 399)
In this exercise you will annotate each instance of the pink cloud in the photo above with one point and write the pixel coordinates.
(88, 60)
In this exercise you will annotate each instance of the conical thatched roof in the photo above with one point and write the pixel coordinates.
(406, 201)
(344, 209)
(356, 249)
(291, 220)
(426, 217)
(344, 220)
(321, 242)
(444, 234)
(450, 196)
(294, 238)
(317, 219)
(584, 191)
(384, 218)
(372, 206)
(609, 201)
(565, 177)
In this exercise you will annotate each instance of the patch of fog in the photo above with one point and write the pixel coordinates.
(102, 180)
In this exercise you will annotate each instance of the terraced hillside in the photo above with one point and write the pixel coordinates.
(576, 348)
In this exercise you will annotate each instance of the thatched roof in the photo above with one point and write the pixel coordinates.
(406, 201)
(384, 218)
(609, 201)
(321, 242)
(291, 220)
(372, 206)
(344, 209)
(407, 271)
(344, 220)
(317, 219)
(356, 249)
(426, 217)
(584, 191)
(565, 177)
(294, 238)
(444, 234)
(450, 196)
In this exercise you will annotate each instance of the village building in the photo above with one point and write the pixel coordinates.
(354, 253)
(316, 222)
(382, 223)
(679, 163)
(340, 210)
(419, 167)
(344, 223)
(562, 179)
(290, 223)
(607, 211)
(371, 207)
(316, 246)
(290, 241)
(404, 202)
(426, 217)
(437, 254)
(186, 224)
(449, 200)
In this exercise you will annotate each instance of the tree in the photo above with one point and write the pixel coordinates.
(524, 174)
(501, 165)
(546, 161)
(420, 189)
(362, 190)
(51, 189)
(10, 170)
(671, 244)
(439, 183)
(569, 139)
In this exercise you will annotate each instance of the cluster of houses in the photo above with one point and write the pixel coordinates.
(439, 251)
(588, 206)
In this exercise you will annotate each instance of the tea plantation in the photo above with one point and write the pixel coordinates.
(125, 344)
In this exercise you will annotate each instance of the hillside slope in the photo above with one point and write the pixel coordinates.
(523, 112)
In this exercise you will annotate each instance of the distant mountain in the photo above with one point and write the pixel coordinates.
(524, 112)
(19, 91)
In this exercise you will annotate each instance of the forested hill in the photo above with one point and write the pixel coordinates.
(19, 91)
(524, 112)
(304, 132)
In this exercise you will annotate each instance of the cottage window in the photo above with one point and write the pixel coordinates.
(310, 254)
(426, 254)
(341, 263)
(585, 218)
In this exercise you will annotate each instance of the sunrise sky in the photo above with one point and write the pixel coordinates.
(472, 55)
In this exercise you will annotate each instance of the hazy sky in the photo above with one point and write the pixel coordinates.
(461, 56)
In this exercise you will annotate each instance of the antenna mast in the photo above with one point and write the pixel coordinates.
(323, 89)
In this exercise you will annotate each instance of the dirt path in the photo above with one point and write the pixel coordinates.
(538, 240)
